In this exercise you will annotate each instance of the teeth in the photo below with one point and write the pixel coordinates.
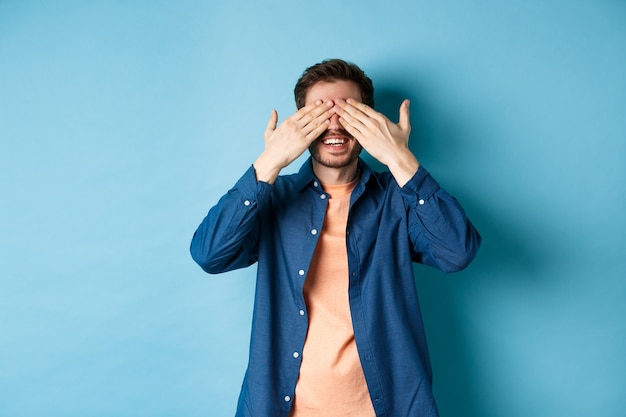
(333, 141)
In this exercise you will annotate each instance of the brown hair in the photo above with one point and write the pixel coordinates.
(334, 70)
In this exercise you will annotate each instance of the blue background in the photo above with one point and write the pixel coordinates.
(121, 123)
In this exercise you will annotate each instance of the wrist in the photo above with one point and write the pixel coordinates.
(265, 170)
(404, 167)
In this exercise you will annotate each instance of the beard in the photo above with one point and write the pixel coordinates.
(335, 161)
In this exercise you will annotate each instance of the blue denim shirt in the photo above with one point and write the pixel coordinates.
(388, 228)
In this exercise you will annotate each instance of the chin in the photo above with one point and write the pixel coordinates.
(335, 161)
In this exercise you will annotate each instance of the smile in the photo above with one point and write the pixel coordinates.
(334, 141)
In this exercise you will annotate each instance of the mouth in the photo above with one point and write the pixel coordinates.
(336, 142)
(335, 138)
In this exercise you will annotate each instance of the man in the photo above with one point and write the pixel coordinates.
(337, 329)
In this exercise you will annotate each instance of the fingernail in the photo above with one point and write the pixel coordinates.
(318, 102)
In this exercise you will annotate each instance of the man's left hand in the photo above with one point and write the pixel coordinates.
(384, 140)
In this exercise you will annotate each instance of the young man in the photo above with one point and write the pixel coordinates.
(337, 329)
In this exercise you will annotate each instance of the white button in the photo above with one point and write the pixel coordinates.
(315, 184)
(302, 312)
(323, 196)
(301, 272)
(296, 355)
(421, 202)
(314, 232)
(287, 398)
(246, 203)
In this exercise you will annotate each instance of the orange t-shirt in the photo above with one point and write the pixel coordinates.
(331, 381)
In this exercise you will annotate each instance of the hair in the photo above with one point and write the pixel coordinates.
(331, 70)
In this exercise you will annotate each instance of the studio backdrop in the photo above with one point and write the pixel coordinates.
(123, 122)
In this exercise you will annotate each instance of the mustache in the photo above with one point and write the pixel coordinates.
(335, 133)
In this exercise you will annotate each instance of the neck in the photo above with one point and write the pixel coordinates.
(336, 176)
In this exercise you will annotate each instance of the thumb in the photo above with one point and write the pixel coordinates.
(404, 122)
(271, 124)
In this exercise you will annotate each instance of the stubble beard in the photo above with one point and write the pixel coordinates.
(335, 161)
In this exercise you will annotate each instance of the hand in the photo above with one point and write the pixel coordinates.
(384, 140)
(294, 135)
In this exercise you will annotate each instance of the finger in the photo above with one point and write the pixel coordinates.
(404, 121)
(271, 123)
(319, 124)
(317, 131)
(362, 107)
(316, 114)
(353, 130)
(355, 115)
(306, 110)
(320, 119)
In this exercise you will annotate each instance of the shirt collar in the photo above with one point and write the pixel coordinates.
(306, 176)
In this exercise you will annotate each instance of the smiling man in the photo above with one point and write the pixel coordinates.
(337, 329)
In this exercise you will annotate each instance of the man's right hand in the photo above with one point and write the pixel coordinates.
(285, 143)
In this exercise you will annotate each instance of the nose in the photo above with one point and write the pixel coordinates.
(334, 123)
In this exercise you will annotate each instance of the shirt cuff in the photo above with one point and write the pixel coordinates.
(250, 188)
(422, 185)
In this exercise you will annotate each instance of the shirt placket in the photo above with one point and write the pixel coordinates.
(314, 229)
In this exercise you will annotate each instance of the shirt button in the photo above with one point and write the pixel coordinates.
(314, 232)
(246, 203)
(323, 196)
(301, 272)
(302, 312)
(316, 184)
(421, 202)
(296, 355)
(287, 398)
